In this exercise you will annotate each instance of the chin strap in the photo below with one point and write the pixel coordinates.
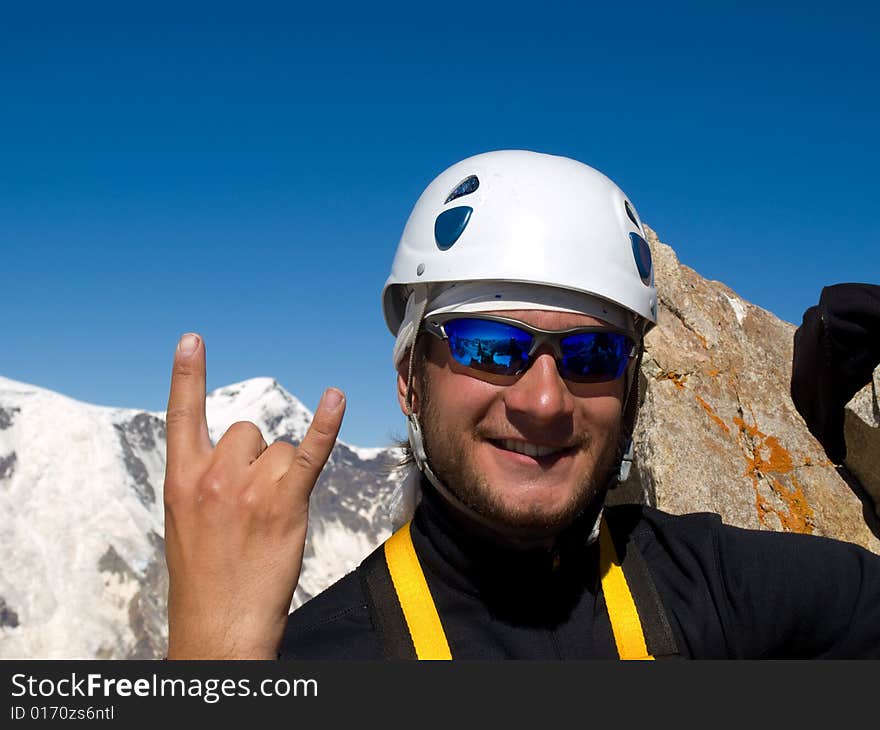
(630, 414)
(625, 464)
(417, 445)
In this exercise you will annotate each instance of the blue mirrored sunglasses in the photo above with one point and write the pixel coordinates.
(502, 346)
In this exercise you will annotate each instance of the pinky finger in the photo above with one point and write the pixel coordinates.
(313, 452)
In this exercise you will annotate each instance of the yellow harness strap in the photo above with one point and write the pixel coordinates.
(625, 622)
(425, 627)
(419, 610)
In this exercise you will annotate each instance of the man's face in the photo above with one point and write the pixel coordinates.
(476, 427)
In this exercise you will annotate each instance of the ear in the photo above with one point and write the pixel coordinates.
(402, 375)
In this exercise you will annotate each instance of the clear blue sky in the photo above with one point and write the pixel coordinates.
(245, 170)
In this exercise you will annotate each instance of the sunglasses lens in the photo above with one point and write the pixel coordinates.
(502, 349)
(492, 347)
(595, 357)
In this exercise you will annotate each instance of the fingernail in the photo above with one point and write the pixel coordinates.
(332, 399)
(188, 344)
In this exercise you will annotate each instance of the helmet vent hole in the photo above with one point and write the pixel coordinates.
(450, 224)
(631, 213)
(465, 187)
(642, 254)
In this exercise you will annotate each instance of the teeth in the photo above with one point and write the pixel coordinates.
(523, 447)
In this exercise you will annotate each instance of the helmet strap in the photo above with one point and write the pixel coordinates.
(626, 462)
(421, 304)
(630, 414)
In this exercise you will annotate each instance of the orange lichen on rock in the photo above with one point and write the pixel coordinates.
(712, 414)
(713, 373)
(676, 378)
(770, 459)
(800, 514)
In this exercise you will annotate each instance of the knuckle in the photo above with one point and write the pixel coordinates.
(183, 369)
(177, 414)
(306, 459)
(324, 428)
(248, 499)
(281, 449)
(176, 488)
(213, 485)
(244, 428)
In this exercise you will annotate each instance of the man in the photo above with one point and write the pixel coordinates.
(520, 295)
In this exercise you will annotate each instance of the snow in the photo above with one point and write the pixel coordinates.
(368, 454)
(70, 496)
(261, 401)
(738, 309)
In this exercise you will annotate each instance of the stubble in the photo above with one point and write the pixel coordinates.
(450, 455)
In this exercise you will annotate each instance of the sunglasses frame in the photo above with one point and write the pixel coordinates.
(435, 325)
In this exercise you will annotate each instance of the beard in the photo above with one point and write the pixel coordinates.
(450, 455)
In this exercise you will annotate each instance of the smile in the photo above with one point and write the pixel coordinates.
(524, 447)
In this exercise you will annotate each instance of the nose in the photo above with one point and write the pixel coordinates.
(539, 399)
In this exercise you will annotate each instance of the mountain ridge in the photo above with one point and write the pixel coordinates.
(82, 515)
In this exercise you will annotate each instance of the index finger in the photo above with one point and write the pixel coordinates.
(185, 422)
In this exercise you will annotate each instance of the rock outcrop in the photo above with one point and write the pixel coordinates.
(861, 429)
(718, 430)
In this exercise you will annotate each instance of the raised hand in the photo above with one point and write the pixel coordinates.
(235, 520)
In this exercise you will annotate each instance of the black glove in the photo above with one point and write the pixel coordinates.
(836, 349)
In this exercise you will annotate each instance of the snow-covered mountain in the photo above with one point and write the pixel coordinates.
(81, 516)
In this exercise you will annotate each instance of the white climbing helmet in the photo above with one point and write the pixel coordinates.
(520, 216)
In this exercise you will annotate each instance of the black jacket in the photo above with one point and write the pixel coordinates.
(836, 348)
(727, 593)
